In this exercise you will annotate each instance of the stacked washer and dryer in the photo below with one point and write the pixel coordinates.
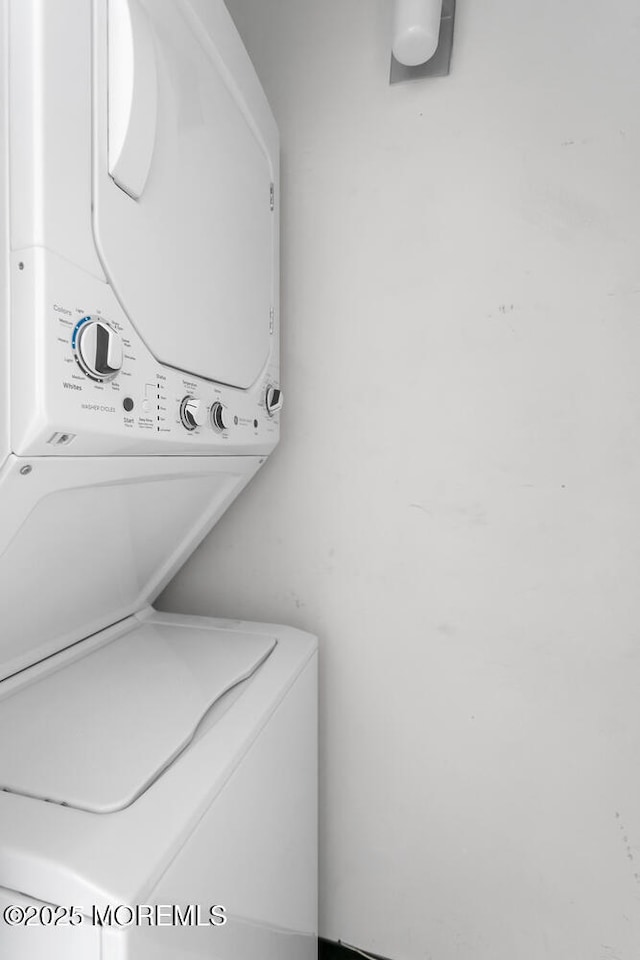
(146, 759)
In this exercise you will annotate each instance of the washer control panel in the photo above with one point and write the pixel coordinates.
(95, 388)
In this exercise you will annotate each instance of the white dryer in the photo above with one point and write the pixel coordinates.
(157, 772)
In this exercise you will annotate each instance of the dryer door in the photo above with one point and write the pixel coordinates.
(185, 168)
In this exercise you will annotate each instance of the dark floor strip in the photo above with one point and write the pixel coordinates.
(328, 950)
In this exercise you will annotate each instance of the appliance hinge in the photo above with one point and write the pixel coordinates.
(272, 196)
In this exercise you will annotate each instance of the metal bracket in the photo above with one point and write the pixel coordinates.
(440, 62)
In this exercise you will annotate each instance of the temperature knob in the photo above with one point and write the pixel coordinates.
(219, 416)
(99, 350)
(191, 412)
(273, 400)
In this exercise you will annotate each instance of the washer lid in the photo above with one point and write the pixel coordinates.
(95, 732)
(185, 172)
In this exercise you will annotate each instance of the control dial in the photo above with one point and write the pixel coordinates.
(273, 399)
(191, 412)
(219, 417)
(99, 350)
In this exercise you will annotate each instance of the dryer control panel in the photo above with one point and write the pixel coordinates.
(84, 382)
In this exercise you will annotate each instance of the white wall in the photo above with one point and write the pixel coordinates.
(454, 505)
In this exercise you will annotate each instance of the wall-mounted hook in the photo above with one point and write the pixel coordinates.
(422, 28)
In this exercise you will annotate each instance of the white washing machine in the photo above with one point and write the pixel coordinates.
(157, 772)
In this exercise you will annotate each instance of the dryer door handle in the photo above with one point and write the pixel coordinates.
(133, 95)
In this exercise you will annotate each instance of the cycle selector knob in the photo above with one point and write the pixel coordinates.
(99, 350)
(191, 412)
(273, 400)
(219, 417)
